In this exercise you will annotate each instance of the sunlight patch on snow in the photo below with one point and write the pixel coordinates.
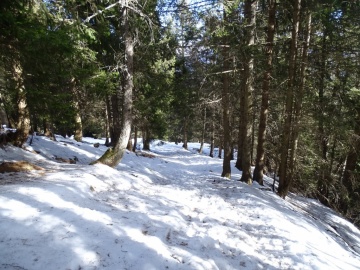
(54, 200)
(85, 256)
(17, 210)
(152, 242)
(88, 182)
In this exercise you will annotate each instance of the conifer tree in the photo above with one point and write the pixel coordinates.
(247, 90)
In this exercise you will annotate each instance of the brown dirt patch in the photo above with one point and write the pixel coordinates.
(18, 166)
(64, 160)
(144, 154)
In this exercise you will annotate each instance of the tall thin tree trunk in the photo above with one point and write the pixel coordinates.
(332, 154)
(299, 96)
(22, 124)
(107, 123)
(48, 131)
(203, 133)
(146, 139)
(253, 124)
(116, 115)
(130, 145)
(264, 111)
(284, 179)
(212, 139)
(225, 98)
(240, 141)
(77, 117)
(185, 133)
(135, 138)
(250, 20)
(325, 167)
(322, 135)
(220, 147)
(112, 157)
(78, 123)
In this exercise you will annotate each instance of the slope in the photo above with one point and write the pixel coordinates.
(168, 210)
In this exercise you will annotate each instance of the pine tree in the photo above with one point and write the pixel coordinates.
(247, 90)
(260, 154)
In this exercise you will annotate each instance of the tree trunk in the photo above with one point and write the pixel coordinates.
(78, 136)
(146, 139)
(212, 139)
(203, 133)
(107, 124)
(284, 176)
(77, 117)
(239, 162)
(129, 145)
(112, 157)
(225, 98)
(250, 20)
(220, 147)
(116, 116)
(48, 130)
(299, 97)
(252, 145)
(260, 151)
(325, 167)
(185, 133)
(135, 138)
(22, 124)
(323, 137)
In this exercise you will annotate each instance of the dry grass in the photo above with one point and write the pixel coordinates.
(64, 160)
(18, 166)
(145, 154)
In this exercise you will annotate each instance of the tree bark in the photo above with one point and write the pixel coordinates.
(212, 139)
(299, 97)
(264, 111)
(135, 139)
(323, 138)
(22, 124)
(112, 157)
(129, 145)
(107, 123)
(220, 147)
(284, 176)
(185, 133)
(203, 133)
(146, 139)
(250, 21)
(116, 116)
(325, 166)
(77, 116)
(240, 142)
(225, 98)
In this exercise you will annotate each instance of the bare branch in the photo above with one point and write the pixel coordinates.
(101, 11)
(122, 4)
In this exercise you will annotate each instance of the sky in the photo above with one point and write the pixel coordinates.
(164, 209)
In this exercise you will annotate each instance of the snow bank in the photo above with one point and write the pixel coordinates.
(168, 212)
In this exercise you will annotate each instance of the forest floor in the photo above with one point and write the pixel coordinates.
(168, 209)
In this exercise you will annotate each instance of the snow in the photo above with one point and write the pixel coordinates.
(172, 211)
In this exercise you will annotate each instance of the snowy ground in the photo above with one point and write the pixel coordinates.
(172, 211)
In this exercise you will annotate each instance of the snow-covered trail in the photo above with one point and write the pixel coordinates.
(168, 212)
